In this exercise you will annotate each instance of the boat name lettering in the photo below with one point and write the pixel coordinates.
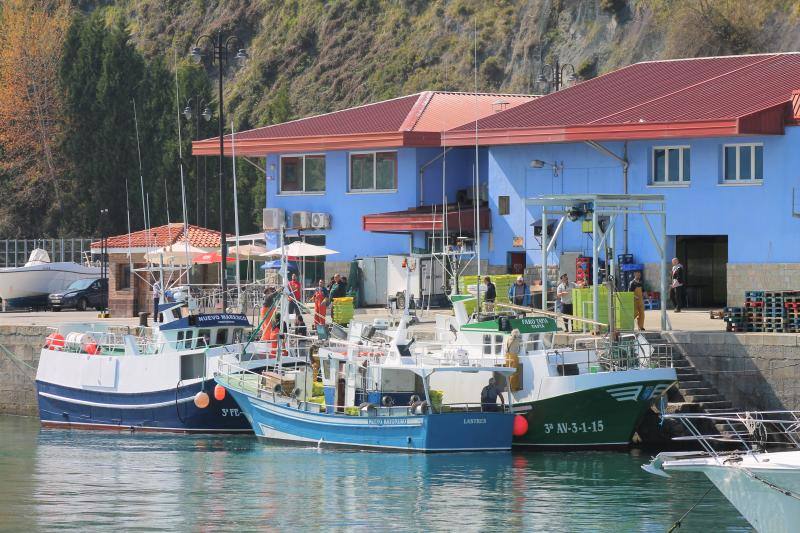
(535, 321)
(474, 420)
(593, 426)
(215, 318)
(231, 412)
(387, 421)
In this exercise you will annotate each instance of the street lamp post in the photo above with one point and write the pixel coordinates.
(556, 74)
(195, 111)
(221, 51)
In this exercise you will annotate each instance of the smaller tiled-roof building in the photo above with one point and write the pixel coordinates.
(129, 293)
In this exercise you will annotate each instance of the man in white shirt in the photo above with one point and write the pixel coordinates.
(564, 299)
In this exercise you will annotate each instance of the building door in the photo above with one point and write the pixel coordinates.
(705, 259)
(516, 262)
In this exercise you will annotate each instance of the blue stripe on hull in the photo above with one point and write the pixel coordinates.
(83, 408)
(426, 433)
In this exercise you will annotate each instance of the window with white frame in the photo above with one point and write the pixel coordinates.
(742, 163)
(373, 171)
(302, 173)
(671, 165)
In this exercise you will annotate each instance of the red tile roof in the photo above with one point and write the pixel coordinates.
(686, 97)
(414, 120)
(164, 236)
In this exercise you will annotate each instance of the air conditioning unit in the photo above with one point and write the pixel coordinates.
(301, 220)
(273, 218)
(320, 221)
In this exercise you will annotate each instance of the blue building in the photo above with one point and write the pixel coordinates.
(719, 138)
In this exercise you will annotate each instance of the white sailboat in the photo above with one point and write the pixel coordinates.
(753, 458)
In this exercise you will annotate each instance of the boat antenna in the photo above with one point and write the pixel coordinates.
(183, 187)
(141, 174)
(128, 213)
(477, 200)
(236, 217)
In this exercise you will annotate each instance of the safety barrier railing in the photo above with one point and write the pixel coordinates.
(748, 431)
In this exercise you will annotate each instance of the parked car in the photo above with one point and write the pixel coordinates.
(81, 295)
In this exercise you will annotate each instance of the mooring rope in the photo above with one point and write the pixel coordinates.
(14, 359)
(678, 523)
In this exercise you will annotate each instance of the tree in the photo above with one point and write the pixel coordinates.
(31, 120)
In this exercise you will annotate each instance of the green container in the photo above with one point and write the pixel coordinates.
(623, 308)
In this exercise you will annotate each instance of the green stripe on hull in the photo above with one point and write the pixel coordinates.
(600, 417)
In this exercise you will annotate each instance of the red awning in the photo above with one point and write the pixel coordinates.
(427, 218)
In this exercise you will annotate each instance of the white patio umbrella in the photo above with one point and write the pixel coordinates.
(300, 249)
(179, 253)
(247, 251)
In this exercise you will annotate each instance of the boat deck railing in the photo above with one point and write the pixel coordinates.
(748, 431)
(626, 354)
(112, 342)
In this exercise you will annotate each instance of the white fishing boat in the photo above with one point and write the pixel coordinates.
(753, 458)
(156, 378)
(30, 285)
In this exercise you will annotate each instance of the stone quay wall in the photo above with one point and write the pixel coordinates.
(753, 371)
(18, 369)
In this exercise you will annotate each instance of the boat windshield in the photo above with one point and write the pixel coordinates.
(80, 284)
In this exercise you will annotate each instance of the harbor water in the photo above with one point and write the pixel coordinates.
(86, 480)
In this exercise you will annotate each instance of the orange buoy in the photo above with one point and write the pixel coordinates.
(55, 341)
(219, 393)
(92, 348)
(201, 400)
(520, 425)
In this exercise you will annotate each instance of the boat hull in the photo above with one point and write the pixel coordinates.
(598, 417)
(166, 410)
(447, 432)
(766, 492)
(29, 286)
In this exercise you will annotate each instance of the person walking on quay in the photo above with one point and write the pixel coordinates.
(564, 299)
(636, 287)
(677, 291)
(519, 293)
(490, 294)
(320, 303)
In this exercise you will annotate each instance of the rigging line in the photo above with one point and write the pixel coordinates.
(477, 200)
(183, 188)
(141, 173)
(128, 213)
(236, 216)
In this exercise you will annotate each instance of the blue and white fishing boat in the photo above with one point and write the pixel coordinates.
(156, 378)
(377, 400)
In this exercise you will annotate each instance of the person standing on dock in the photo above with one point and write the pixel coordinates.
(636, 287)
(320, 303)
(156, 298)
(564, 299)
(490, 295)
(677, 290)
(519, 293)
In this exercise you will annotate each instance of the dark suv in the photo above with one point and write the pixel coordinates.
(81, 295)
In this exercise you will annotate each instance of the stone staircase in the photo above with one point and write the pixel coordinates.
(694, 393)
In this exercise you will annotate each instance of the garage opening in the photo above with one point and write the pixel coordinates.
(705, 259)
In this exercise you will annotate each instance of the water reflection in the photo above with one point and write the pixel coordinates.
(93, 480)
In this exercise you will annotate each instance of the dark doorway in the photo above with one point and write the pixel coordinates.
(516, 262)
(705, 259)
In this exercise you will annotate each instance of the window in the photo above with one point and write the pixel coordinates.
(504, 205)
(123, 276)
(222, 336)
(204, 337)
(487, 345)
(743, 163)
(373, 171)
(193, 366)
(671, 164)
(302, 173)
